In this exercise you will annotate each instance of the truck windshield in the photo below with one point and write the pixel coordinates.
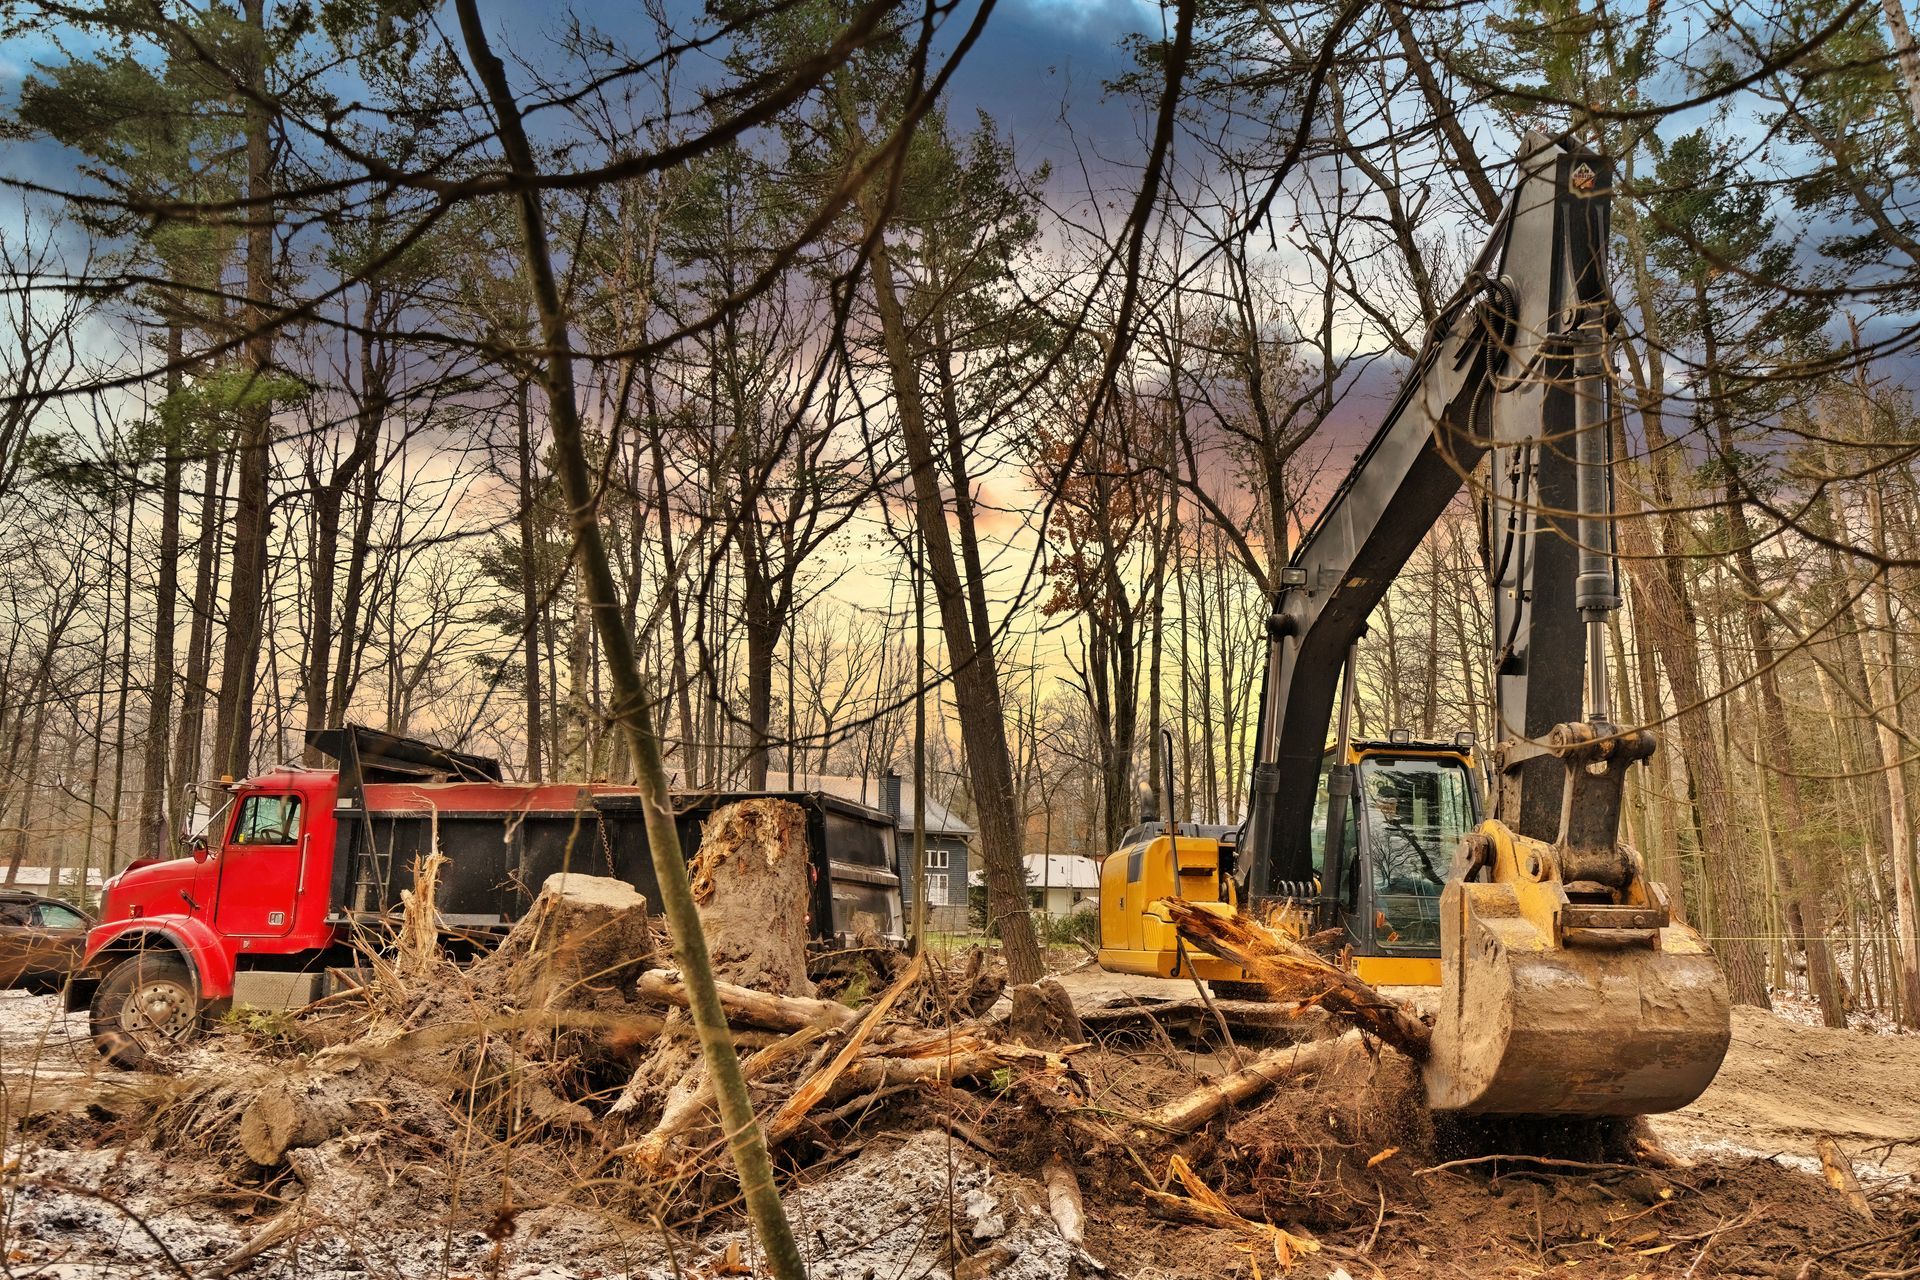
(1417, 810)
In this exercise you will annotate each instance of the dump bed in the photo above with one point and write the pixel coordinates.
(502, 840)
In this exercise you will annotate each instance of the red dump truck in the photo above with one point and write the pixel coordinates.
(298, 862)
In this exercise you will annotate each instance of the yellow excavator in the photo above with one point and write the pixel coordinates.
(1566, 984)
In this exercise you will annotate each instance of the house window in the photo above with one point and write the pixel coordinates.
(936, 885)
(936, 859)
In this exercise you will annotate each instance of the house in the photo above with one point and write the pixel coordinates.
(949, 840)
(64, 881)
(1060, 883)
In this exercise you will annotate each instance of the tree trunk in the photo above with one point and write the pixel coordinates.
(1905, 52)
(529, 579)
(117, 801)
(345, 663)
(328, 502)
(152, 836)
(1900, 821)
(976, 683)
(1726, 868)
(325, 558)
(762, 644)
(199, 675)
(632, 708)
(246, 584)
(29, 783)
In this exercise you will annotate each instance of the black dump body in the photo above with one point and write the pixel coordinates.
(855, 888)
(498, 857)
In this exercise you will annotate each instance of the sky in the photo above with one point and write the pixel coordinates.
(1040, 69)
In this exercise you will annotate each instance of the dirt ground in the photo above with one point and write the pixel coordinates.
(1347, 1165)
(1782, 1085)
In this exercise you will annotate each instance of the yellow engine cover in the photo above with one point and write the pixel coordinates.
(1135, 933)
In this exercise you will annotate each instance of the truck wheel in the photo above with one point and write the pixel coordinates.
(144, 1003)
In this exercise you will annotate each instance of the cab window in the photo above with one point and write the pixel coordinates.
(268, 820)
(1417, 812)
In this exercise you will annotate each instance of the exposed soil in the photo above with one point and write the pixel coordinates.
(1784, 1084)
(944, 1182)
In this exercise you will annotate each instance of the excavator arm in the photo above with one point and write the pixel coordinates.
(1567, 984)
(1496, 376)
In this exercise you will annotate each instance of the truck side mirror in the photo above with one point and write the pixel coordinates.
(198, 845)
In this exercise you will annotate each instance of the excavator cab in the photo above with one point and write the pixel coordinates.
(1413, 804)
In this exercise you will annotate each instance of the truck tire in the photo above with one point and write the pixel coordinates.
(145, 1002)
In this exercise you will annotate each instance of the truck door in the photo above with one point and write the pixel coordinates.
(260, 866)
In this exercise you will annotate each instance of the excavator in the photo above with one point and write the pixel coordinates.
(1567, 985)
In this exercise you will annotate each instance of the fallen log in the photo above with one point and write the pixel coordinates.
(775, 1013)
(688, 1111)
(966, 1063)
(1838, 1171)
(1184, 1115)
(1203, 1206)
(292, 1112)
(1251, 1020)
(1064, 1203)
(280, 1228)
(1296, 973)
(938, 1043)
(817, 1086)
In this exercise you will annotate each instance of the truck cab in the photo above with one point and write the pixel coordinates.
(177, 937)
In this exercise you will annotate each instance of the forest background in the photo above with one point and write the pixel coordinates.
(1061, 320)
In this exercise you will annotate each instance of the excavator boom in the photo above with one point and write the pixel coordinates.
(1567, 984)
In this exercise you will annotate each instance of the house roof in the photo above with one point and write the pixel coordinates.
(1061, 871)
(37, 877)
(872, 792)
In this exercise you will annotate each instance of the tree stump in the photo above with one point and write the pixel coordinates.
(751, 881)
(1043, 1016)
(576, 948)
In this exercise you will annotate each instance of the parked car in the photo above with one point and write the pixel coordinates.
(40, 940)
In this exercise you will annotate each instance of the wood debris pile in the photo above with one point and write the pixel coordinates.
(564, 1064)
(924, 1113)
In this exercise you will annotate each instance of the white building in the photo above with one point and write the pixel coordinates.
(1059, 883)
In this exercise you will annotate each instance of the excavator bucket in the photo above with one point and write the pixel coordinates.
(1554, 1004)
